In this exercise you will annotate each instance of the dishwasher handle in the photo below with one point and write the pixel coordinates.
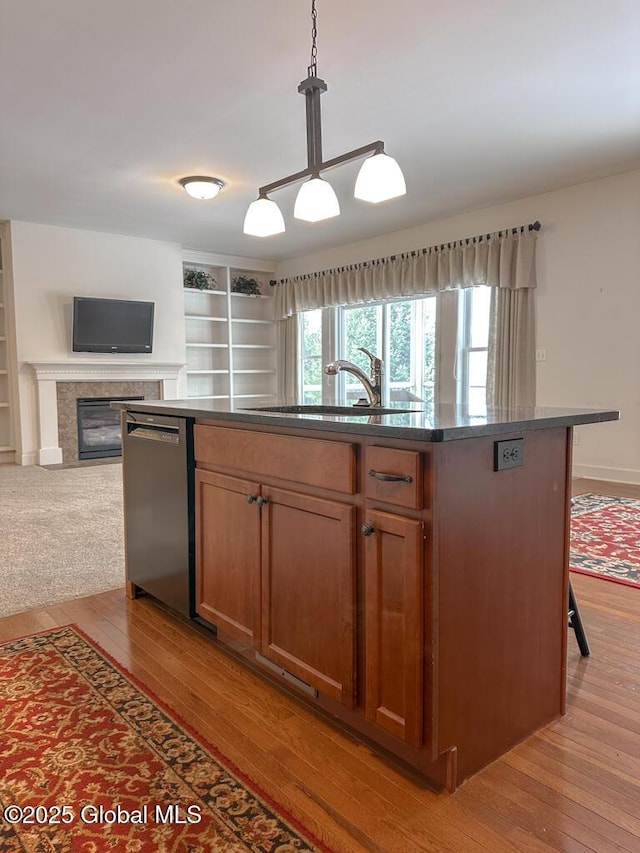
(146, 432)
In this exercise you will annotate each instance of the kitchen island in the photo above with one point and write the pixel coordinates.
(404, 573)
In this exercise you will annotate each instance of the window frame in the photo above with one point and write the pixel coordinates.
(465, 349)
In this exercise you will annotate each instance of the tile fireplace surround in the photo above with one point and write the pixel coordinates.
(60, 384)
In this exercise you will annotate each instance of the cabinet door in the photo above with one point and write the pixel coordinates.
(228, 554)
(308, 590)
(393, 587)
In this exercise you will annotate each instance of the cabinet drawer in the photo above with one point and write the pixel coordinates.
(310, 461)
(393, 476)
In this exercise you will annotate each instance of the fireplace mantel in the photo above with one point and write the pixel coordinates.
(48, 373)
(104, 371)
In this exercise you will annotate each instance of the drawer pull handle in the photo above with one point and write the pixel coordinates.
(389, 478)
(262, 501)
(367, 529)
(251, 498)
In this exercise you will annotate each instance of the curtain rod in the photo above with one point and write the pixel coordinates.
(532, 226)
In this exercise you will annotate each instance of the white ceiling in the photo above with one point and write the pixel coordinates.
(105, 104)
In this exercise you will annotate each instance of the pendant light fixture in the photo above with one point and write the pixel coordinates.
(380, 178)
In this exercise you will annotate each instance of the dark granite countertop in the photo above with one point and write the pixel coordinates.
(422, 423)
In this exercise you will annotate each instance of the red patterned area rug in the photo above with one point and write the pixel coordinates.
(90, 762)
(605, 538)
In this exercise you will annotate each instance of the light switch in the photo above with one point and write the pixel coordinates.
(541, 355)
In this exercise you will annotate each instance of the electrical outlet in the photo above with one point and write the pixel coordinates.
(541, 355)
(508, 454)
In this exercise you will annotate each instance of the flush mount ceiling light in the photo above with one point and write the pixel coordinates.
(380, 178)
(199, 186)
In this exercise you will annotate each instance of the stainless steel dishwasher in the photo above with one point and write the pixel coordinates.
(157, 456)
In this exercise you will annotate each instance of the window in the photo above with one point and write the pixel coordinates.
(407, 334)
(403, 334)
(474, 349)
(311, 357)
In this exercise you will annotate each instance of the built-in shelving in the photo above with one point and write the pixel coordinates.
(8, 373)
(230, 337)
(211, 319)
(254, 346)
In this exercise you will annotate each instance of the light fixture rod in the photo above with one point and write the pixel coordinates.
(373, 147)
(312, 88)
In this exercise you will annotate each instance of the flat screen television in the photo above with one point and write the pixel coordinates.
(112, 325)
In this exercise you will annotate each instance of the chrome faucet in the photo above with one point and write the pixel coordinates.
(373, 385)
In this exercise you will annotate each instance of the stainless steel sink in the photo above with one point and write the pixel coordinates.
(359, 411)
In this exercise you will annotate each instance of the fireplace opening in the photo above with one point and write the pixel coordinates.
(99, 432)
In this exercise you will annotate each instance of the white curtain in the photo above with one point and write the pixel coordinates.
(499, 261)
(511, 367)
(287, 349)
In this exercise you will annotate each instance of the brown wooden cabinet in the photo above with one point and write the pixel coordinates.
(419, 591)
(228, 555)
(278, 567)
(394, 624)
(394, 592)
(308, 590)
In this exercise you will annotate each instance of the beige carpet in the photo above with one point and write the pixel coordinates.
(61, 534)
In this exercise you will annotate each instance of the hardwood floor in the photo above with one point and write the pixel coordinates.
(572, 787)
(617, 490)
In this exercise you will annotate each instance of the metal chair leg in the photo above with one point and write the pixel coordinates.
(575, 622)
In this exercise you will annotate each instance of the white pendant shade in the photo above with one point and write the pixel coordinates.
(263, 218)
(379, 179)
(316, 200)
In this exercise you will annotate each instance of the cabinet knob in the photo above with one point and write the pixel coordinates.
(367, 529)
(262, 501)
(251, 498)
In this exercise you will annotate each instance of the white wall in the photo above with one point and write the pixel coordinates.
(51, 265)
(588, 303)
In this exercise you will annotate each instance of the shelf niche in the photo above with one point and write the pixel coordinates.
(230, 337)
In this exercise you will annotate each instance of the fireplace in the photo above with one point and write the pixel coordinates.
(99, 433)
(60, 384)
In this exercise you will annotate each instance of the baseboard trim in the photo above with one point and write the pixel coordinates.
(7, 457)
(50, 456)
(609, 475)
(28, 459)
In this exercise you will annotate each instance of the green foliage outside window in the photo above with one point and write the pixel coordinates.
(313, 380)
(312, 362)
(361, 330)
(400, 361)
